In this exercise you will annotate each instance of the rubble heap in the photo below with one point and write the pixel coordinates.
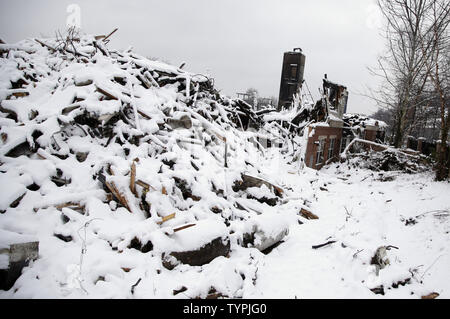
(390, 160)
(361, 121)
(113, 160)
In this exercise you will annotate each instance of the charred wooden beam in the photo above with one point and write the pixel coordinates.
(251, 181)
(201, 256)
(323, 245)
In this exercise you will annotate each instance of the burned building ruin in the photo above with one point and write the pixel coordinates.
(291, 77)
(325, 124)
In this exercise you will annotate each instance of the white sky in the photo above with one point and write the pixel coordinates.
(239, 42)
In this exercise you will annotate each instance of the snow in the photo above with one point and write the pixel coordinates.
(10, 188)
(260, 192)
(4, 261)
(320, 124)
(334, 117)
(187, 240)
(361, 121)
(6, 239)
(355, 207)
(278, 116)
(293, 269)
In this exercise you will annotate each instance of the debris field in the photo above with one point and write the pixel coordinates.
(138, 179)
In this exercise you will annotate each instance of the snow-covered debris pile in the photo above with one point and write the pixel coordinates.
(361, 121)
(16, 251)
(389, 160)
(125, 168)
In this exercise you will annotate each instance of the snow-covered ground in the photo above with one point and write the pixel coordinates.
(362, 213)
(355, 208)
(82, 136)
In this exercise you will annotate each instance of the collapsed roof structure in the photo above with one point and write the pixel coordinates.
(324, 125)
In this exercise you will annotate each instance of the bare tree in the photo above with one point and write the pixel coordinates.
(402, 66)
(415, 69)
(435, 46)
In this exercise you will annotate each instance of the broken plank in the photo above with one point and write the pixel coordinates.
(109, 35)
(154, 139)
(112, 187)
(17, 94)
(323, 245)
(69, 204)
(183, 227)
(83, 82)
(144, 81)
(133, 179)
(207, 125)
(106, 93)
(45, 45)
(307, 214)
(151, 78)
(432, 295)
(166, 218)
(145, 185)
(144, 115)
(250, 181)
(70, 108)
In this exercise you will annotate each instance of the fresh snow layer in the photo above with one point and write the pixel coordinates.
(7, 238)
(86, 251)
(361, 214)
(358, 211)
(188, 239)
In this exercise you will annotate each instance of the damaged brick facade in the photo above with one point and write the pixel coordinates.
(326, 142)
(323, 145)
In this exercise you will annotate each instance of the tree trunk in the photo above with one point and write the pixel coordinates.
(442, 169)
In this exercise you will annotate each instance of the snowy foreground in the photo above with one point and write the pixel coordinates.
(118, 165)
(355, 208)
(362, 213)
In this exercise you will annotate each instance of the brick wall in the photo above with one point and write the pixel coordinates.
(311, 149)
(370, 135)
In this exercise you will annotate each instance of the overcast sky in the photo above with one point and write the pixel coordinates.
(238, 42)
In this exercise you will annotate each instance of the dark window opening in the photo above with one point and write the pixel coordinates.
(331, 148)
(294, 69)
(319, 153)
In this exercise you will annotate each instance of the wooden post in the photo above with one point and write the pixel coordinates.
(133, 179)
(183, 227)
